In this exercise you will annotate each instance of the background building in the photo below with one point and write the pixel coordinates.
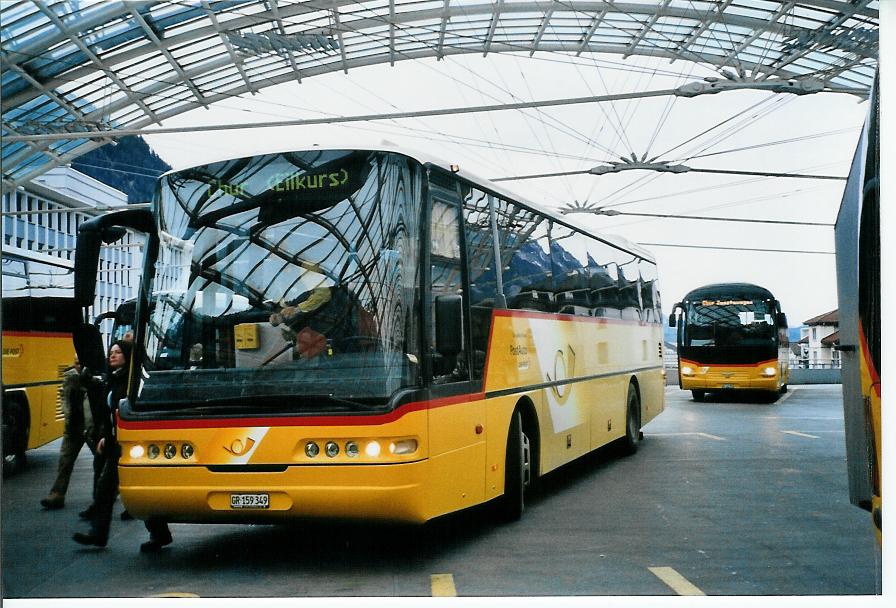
(40, 225)
(818, 338)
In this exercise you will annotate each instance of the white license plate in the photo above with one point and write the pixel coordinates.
(250, 501)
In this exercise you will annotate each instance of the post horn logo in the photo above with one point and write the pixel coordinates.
(238, 448)
(564, 368)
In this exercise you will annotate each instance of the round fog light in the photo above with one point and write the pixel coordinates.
(311, 449)
(186, 450)
(332, 449)
(352, 449)
(170, 451)
(137, 452)
(372, 449)
(153, 451)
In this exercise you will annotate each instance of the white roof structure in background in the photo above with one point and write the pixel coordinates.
(91, 67)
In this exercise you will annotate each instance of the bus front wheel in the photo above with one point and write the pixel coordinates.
(15, 436)
(698, 395)
(517, 470)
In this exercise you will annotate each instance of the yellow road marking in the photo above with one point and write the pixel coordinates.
(442, 585)
(675, 581)
(176, 594)
(798, 434)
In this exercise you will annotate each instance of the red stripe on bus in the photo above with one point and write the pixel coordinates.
(769, 362)
(866, 353)
(205, 423)
(36, 334)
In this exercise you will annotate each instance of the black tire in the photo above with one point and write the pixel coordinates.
(698, 395)
(783, 389)
(15, 437)
(632, 421)
(517, 470)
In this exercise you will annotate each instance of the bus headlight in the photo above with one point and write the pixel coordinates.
(186, 451)
(332, 449)
(351, 449)
(687, 370)
(137, 452)
(170, 451)
(372, 449)
(769, 371)
(153, 451)
(311, 449)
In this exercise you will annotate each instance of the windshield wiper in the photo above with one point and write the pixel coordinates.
(277, 402)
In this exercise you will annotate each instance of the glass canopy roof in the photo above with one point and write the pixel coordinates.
(81, 66)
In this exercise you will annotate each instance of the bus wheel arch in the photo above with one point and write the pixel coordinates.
(16, 428)
(632, 417)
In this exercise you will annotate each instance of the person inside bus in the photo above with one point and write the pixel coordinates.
(78, 431)
(317, 319)
(108, 452)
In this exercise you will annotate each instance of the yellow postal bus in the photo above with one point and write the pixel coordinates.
(731, 336)
(370, 334)
(39, 314)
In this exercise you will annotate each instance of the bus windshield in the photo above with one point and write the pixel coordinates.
(286, 282)
(730, 323)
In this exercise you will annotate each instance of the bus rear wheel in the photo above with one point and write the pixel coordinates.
(517, 470)
(698, 395)
(15, 436)
(632, 421)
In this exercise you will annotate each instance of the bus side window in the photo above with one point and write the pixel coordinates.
(569, 262)
(603, 279)
(652, 312)
(526, 255)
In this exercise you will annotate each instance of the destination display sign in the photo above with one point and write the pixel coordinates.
(726, 303)
(290, 194)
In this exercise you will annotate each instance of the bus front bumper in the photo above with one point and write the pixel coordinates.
(722, 383)
(391, 492)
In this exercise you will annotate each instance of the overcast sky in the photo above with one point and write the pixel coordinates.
(817, 134)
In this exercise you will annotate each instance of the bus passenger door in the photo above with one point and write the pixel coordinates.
(457, 416)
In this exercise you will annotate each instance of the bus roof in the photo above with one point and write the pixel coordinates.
(430, 159)
(743, 291)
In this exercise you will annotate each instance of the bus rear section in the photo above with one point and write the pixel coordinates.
(858, 243)
(731, 337)
(39, 315)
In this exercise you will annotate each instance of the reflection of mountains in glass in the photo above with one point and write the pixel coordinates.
(531, 268)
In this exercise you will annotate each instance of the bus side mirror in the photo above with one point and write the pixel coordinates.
(781, 319)
(87, 257)
(89, 347)
(449, 325)
(93, 233)
(672, 320)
